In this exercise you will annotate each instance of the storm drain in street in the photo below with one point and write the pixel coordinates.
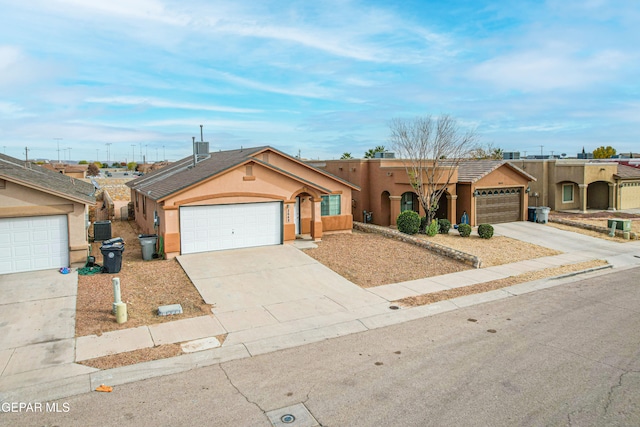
(292, 416)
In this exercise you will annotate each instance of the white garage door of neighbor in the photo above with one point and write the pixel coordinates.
(33, 243)
(219, 227)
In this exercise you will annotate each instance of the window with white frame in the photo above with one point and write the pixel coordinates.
(567, 193)
(330, 205)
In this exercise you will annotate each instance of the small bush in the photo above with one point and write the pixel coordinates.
(423, 224)
(432, 229)
(485, 231)
(444, 225)
(408, 222)
(464, 230)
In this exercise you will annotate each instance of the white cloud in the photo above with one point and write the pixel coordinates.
(160, 103)
(543, 70)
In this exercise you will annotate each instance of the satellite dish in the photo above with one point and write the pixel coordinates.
(95, 184)
(564, 154)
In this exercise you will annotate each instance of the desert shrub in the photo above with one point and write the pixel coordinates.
(432, 229)
(444, 225)
(464, 230)
(408, 222)
(485, 231)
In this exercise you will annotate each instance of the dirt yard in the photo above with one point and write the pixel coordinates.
(497, 250)
(145, 285)
(369, 259)
(595, 218)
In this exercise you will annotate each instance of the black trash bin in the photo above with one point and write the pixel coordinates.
(532, 214)
(112, 257)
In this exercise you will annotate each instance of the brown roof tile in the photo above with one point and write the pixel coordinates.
(627, 172)
(474, 170)
(13, 169)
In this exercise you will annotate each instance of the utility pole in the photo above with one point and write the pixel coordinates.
(108, 144)
(164, 156)
(97, 154)
(26, 154)
(69, 148)
(58, 139)
(133, 151)
(541, 149)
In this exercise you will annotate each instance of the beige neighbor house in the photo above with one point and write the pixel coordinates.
(574, 184)
(43, 218)
(239, 198)
(489, 191)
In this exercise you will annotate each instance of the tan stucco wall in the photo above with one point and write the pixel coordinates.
(375, 177)
(17, 200)
(263, 185)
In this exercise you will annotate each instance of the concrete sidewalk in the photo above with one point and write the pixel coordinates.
(299, 320)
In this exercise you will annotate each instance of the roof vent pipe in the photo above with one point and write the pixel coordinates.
(195, 152)
(201, 135)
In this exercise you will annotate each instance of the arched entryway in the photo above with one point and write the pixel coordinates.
(442, 212)
(409, 202)
(598, 195)
(385, 210)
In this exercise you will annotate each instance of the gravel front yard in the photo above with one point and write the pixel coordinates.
(497, 250)
(372, 260)
(596, 218)
(145, 285)
(369, 259)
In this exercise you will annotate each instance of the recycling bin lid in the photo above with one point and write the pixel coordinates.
(113, 240)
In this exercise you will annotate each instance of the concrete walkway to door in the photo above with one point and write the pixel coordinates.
(266, 285)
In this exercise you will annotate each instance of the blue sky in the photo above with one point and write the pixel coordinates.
(319, 78)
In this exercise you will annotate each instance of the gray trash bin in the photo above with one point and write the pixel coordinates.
(112, 257)
(542, 213)
(148, 245)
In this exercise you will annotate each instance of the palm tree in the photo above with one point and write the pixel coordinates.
(346, 156)
(371, 153)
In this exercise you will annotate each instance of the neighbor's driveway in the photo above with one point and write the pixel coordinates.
(259, 286)
(37, 320)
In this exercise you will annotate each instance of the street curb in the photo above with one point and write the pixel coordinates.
(575, 273)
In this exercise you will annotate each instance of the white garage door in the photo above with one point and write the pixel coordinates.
(219, 227)
(33, 243)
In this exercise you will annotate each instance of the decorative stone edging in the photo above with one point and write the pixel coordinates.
(619, 233)
(468, 259)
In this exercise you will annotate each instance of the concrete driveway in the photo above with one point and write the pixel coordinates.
(265, 285)
(37, 320)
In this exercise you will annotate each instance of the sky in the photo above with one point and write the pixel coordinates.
(118, 79)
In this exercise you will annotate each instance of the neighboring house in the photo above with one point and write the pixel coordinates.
(239, 198)
(43, 218)
(489, 191)
(574, 184)
(149, 167)
(74, 171)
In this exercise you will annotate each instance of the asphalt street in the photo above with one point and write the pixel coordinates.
(568, 355)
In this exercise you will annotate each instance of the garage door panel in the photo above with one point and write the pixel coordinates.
(220, 227)
(495, 205)
(33, 243)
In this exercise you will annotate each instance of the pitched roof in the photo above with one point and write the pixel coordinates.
(474, 170)
(627, 172)
(16, 170)
(182, 174)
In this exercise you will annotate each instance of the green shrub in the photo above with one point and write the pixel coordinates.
(464, 230)
(485, 231)
(408, 222)
(423, 224)
(432, 229)
(444, 225)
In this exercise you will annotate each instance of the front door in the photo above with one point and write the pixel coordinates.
(296, 215)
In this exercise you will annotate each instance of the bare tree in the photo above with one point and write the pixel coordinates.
(431, 150)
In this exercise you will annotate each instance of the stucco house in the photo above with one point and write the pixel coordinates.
(575, 184)
(489, 191)
(43, 218)
(239, 198)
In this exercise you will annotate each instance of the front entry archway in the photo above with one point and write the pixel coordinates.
(385, 209)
